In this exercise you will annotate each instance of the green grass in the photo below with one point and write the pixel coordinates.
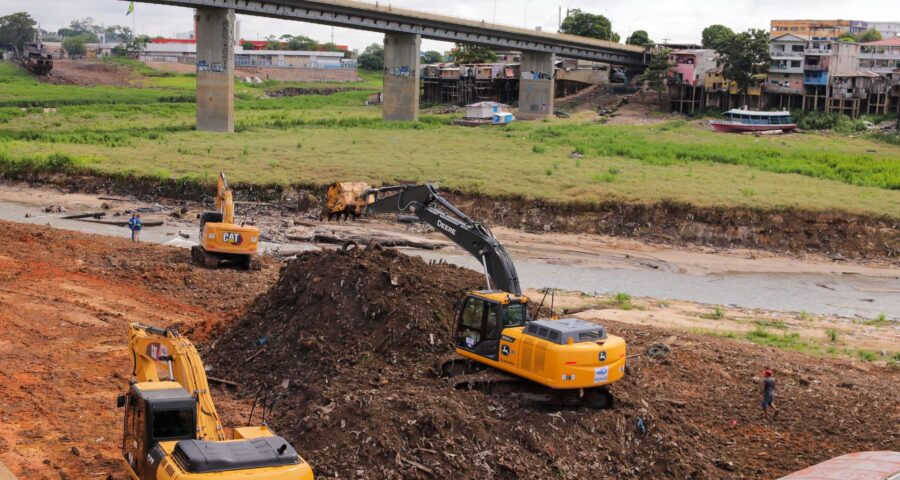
(793, 342)
(321, 138)
(716, 314)
(879, 321)
(768, 323)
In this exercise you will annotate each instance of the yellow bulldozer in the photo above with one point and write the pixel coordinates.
(172, 430)
(573, 359)
(345, 199)
(221, 240)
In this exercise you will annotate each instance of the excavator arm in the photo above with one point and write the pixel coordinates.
(430, 207)
(154, 348)
(224, 200)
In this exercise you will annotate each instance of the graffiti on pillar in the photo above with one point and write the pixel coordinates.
(217, 67)
(398, 72)
(533, 75)
(202, 66)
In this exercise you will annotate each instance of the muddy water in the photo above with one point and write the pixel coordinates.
(817, 293)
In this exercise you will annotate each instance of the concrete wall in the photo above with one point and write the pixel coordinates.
(536, 89)
(215, 69)
(401, 77)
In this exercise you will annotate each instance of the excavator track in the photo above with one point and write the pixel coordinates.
(465, 374)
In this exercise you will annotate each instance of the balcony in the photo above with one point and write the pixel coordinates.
(774, 68)
(816, 80)
(815, 68)
(785, 54)
(772, 88)
(818, 51)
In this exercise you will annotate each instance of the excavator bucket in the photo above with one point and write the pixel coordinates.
(347, 199)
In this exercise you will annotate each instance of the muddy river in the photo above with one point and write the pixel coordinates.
(823, 293)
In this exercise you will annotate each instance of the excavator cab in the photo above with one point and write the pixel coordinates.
(155, 412)
(483, 316)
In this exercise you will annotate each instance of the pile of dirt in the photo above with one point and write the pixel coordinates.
(90, 73)
(350, 339)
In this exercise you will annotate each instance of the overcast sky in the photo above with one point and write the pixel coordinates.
(675, 20)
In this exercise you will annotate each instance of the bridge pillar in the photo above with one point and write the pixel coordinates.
(401, 77)
(215, 69)
(536, 89)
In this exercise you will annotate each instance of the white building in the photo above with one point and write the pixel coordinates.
(888, 29)
(184, 52)
(882, 57)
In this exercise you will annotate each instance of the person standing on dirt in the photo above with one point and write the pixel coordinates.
(768, 393)
(135, 225)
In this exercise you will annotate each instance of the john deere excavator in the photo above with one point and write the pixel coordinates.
(172, 430)
(221, 240)
(575, 360)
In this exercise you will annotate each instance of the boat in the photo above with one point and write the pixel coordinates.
(740, 121)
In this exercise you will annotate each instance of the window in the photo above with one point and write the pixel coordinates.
(795, 63)
(589, 336)
(173, 424)
(472, 314)
(491, 325)
(515, 315)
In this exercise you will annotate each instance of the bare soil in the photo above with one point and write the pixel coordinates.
(90, 73)
(66, 300)
(351, 339)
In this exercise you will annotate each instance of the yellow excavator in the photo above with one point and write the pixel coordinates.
(221, 240)
(574, 359)
(172, 430)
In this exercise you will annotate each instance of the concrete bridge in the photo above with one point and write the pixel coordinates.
(403, 31)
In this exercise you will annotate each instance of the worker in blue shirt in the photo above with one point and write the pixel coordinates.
(135, 225)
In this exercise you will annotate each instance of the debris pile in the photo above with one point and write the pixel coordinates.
(348, 341)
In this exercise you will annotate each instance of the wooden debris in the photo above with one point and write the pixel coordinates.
(224, 382)
(79, 216)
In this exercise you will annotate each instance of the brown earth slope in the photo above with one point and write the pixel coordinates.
(351, 339)
(65, 302)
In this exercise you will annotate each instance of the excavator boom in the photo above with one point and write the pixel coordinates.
(171, 430)
(473, 237)
(152, 348)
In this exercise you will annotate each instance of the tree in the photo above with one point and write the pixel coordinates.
(588, 25)
(639, 37)
(300, 42)
(118, 33)
(744, 55)
(870, 35)
(16, 30)
(715, 35)
(75, 45)
(248, 46)
(847, 37)
(82, 28)
(432, 56)
(372, 58)
(467, 53)
(657, 71)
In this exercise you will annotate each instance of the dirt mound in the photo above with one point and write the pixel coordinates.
(90, 73)
(338, 308)
(350, 340)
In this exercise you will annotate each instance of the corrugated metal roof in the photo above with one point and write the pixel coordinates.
(854, 466)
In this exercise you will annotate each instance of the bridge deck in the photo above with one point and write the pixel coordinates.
(383, 18)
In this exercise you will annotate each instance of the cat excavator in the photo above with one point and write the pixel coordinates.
(572, 359)
(222, 240)
(171, 430)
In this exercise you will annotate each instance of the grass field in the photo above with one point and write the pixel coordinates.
(319, 139)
